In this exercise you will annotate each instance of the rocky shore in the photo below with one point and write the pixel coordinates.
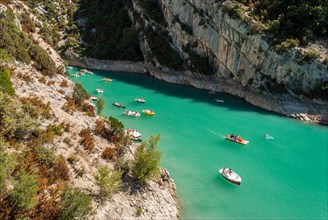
(287, 104)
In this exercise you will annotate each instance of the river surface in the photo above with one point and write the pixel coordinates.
(284, 178)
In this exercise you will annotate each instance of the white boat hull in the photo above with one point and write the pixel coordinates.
(230, 175)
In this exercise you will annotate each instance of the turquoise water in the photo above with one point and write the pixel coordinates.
(285, 178)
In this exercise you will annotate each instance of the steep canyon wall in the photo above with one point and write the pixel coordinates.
(242, 61)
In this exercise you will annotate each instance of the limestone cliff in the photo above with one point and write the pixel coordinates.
(240, 60)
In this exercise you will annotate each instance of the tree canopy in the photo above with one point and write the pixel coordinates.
(301, 19)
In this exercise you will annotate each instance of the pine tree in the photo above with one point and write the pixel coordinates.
(109, 181)
(147, 160)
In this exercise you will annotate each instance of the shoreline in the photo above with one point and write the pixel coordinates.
(286, 105)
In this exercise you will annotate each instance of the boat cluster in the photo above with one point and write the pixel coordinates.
(82, 72)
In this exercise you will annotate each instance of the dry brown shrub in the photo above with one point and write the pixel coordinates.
(87, 139)
(109, 153)
(69, 105)
(64, 83)
(51, 82)
(26, 77)
(42, 80)
(89, 109)
(100, 126)
(60, 169)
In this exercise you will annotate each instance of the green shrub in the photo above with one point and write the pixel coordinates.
(43, 61)
(24, 191)
(109, 181)
(287, 44)
(5, 56)
(139, 211)
(79, 94)
(5, 83)
(304, 20)
(20, 46)
(7, 166)
(72, 159)
(100, 105)
(311, 55)
(44, 155)
(115, 123)
(74, 204)
(147, 159)
(15, 122)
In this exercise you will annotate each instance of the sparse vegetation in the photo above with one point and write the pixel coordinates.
(87, 139)
(7, 166)
(109, 181)
(24, 191)
(5, 82)
(16, 44)
(74, 204)
(303, 20)
(79, 94)
(15, 122)
(100, 105)
(147, 159)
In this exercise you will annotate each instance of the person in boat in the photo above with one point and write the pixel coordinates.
(229, 170)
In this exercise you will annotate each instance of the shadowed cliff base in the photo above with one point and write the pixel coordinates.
(284, 104)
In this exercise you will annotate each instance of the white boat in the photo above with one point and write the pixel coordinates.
(132, 133)
(230, 175)
(219, 100)
(141, 100)
(100, 90)
(93, 98)
(268, 137)
(107, 80)
(131, 113)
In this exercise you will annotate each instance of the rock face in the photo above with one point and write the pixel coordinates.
(243, 63)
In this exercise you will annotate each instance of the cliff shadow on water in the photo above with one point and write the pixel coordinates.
(218, 99)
